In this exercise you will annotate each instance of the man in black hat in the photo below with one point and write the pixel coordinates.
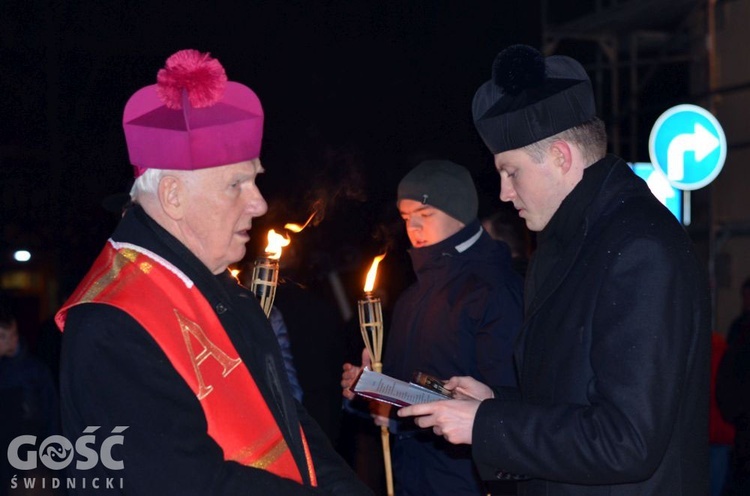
(613, 358)
(460, 317)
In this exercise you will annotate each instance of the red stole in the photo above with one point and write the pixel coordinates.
(169, 306)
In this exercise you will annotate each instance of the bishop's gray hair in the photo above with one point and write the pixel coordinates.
(147, 183)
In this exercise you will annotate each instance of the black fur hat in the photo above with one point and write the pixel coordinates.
(531, 97)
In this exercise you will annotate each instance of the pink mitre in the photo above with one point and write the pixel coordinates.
(192, 118)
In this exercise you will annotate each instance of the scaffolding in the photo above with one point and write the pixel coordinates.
(630, 47)
(630, 44)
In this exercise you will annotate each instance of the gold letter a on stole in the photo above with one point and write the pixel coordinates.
(209, 349)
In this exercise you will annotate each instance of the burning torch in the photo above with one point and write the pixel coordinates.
(266, 271)
(266, 267)
(371, 324)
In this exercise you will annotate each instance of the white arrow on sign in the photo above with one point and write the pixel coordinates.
(701, 141)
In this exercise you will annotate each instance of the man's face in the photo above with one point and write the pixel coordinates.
(8, 339)
(536, 189)
(220, 205)
(426, 225)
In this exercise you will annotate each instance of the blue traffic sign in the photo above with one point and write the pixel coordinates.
(688, 144)
(667, 194)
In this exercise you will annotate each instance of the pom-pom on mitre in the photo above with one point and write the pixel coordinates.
(198, 74)
(517, 68)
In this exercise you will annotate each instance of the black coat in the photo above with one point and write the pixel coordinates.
(113, 373)
(614, 355)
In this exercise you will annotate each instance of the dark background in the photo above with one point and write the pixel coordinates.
(355, 93)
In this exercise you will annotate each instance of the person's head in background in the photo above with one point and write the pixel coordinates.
(436, 199)
(538, 118)
(8, 329)
(504, 225)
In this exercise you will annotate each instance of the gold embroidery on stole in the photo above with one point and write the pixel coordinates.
(272, 453)
(209, 349)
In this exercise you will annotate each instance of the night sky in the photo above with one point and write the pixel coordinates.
(355, 93)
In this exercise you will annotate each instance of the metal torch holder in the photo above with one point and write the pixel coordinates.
(264, 282)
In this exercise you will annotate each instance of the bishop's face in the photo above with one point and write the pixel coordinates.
(221, 203)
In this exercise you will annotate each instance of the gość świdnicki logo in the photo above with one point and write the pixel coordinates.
(58, 452)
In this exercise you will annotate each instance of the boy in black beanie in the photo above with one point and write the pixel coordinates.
(460, 317)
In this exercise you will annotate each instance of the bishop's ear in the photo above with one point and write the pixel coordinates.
(171, 192)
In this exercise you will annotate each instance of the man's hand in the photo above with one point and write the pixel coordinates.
(452, 419)
(350, 374)
(468, 388)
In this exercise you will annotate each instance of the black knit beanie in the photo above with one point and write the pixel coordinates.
(444, 185)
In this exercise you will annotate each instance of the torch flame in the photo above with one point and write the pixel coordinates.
(370, 281)
(295, 228)
(275, 243)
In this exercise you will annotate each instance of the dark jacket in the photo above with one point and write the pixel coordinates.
(460, 317)
(28, 396)
(613, 357)
(114, 374)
